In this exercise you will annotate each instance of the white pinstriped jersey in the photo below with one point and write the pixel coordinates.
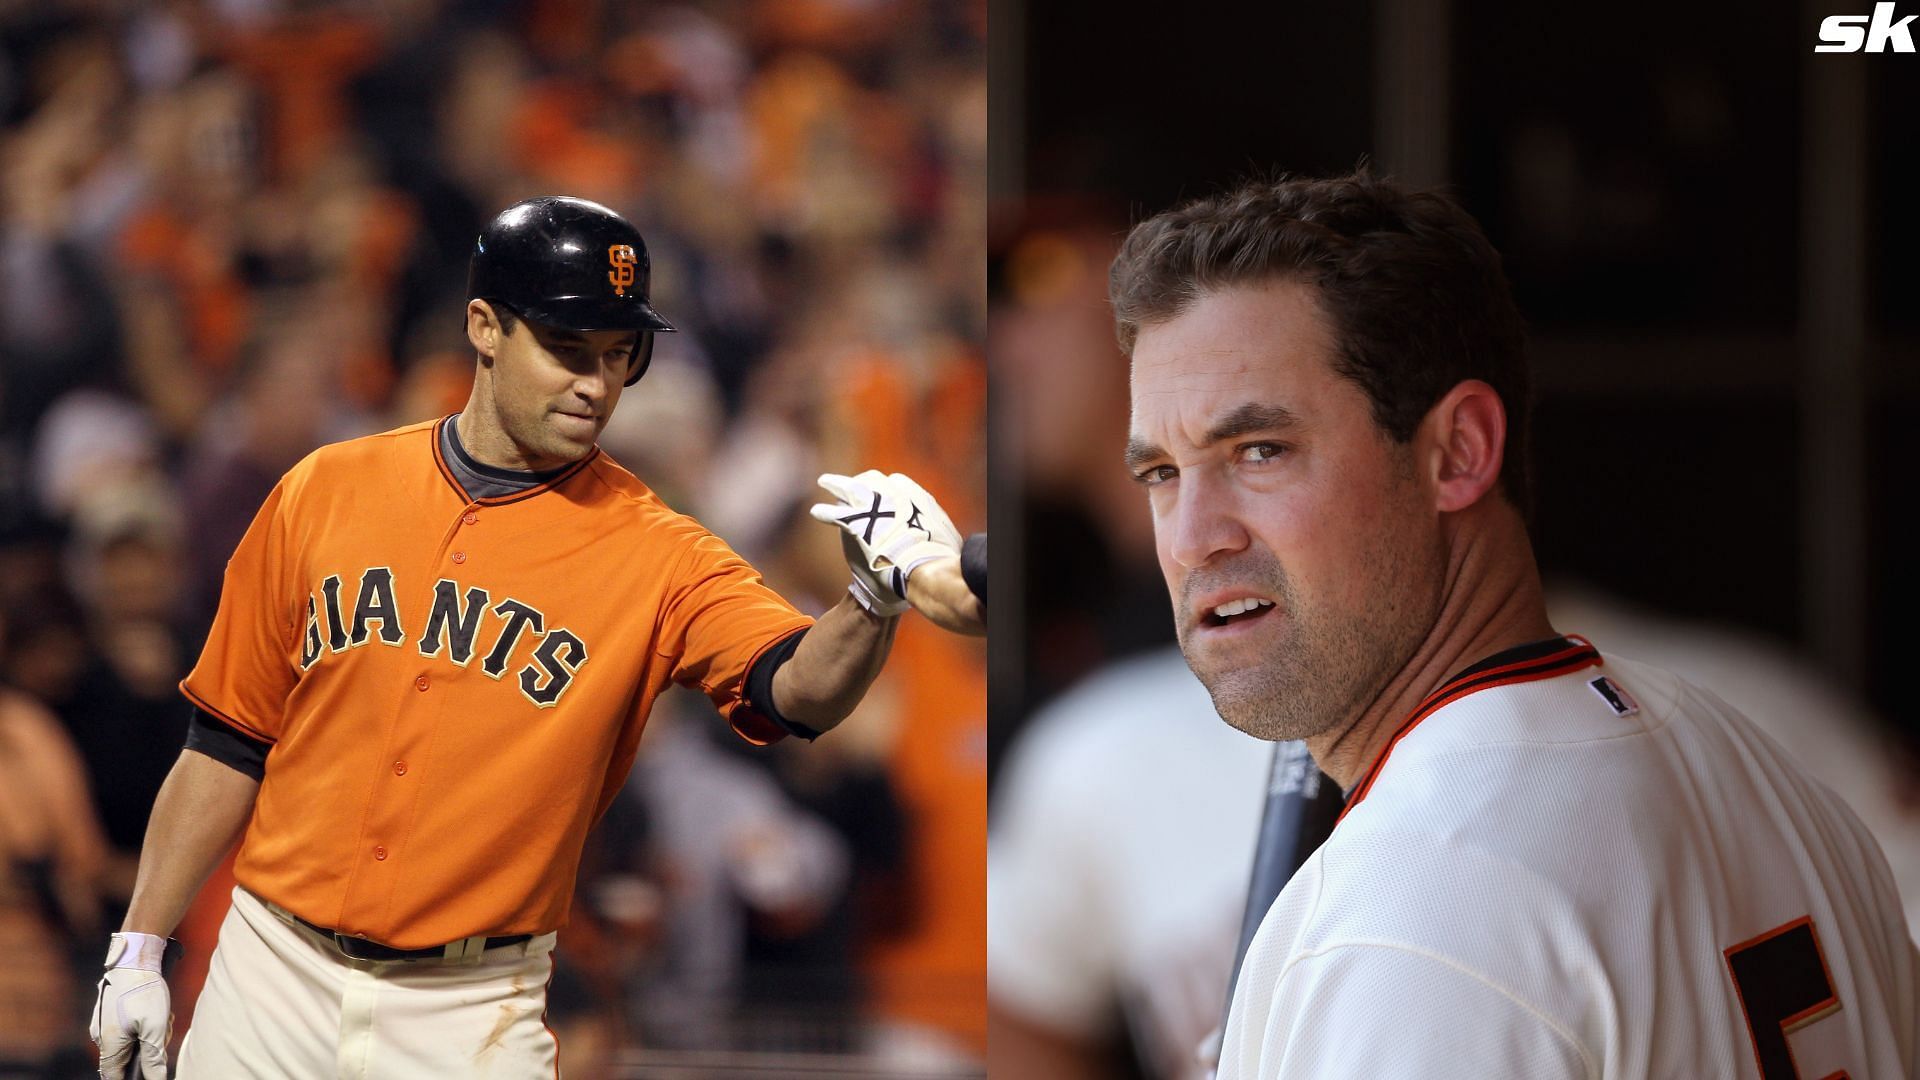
(1570, 867)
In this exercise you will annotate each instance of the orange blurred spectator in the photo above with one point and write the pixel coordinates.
(50, 855)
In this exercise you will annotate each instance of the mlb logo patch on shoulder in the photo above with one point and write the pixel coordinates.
(1617, 699)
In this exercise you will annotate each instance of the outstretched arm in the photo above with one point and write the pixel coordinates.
(833, 666)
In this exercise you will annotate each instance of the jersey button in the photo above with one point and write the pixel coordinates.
(380, 854)
(469, 518)
(422, 683)
(399, 768)
(459, 557)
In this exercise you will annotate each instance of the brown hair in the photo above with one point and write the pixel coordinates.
(1415, 293)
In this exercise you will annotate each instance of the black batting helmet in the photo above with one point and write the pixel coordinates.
(570, 264)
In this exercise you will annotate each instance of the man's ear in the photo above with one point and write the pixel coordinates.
(1465, 441)
(483, 327)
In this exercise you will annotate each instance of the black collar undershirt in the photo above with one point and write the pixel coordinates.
(482, 481)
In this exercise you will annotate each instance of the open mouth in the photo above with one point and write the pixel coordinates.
(1234, 612)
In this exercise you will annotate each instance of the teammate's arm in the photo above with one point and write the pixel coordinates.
(833, 665)
(199, 813)
(939, 589)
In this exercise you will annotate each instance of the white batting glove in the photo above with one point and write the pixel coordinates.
(133, 1008)
(933, 517)
(889, 525)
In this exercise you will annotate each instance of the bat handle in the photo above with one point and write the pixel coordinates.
(1302, 805)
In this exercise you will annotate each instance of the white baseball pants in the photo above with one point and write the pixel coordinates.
(281, 1001)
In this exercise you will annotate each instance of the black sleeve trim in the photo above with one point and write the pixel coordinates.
(759, 695)
(221, 741)
(973, 565)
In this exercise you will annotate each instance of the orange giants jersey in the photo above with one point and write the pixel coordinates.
(453, 689)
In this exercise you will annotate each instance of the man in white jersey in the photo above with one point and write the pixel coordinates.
(1137, 930)
(1133, 935)
(1551, 864)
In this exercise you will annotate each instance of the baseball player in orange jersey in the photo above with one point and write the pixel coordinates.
(434, 654)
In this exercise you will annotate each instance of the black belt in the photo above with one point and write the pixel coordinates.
(362, 949)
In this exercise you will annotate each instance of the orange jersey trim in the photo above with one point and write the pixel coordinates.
(1572, 654)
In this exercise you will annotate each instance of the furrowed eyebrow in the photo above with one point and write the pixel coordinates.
(1249, 418)
(1139, 452)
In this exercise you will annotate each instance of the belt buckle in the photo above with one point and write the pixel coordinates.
(349, 946)
(469, 950)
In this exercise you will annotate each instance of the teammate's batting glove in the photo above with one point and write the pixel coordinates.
(932, 517)
(133, 1008)
(889, 525)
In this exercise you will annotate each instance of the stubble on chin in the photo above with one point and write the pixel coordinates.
(1275, 697)
(1267, 695)
(556, 446)
(1323, 669)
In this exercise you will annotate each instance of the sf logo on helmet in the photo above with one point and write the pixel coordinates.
(623, 260)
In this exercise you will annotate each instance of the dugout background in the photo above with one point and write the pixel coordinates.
(1711, 232)
(1709, 227)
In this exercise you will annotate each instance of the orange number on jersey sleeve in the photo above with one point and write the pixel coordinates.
(1783, 983)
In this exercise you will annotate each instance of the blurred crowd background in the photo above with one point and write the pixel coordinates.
(1710, 231)
(232, 230)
